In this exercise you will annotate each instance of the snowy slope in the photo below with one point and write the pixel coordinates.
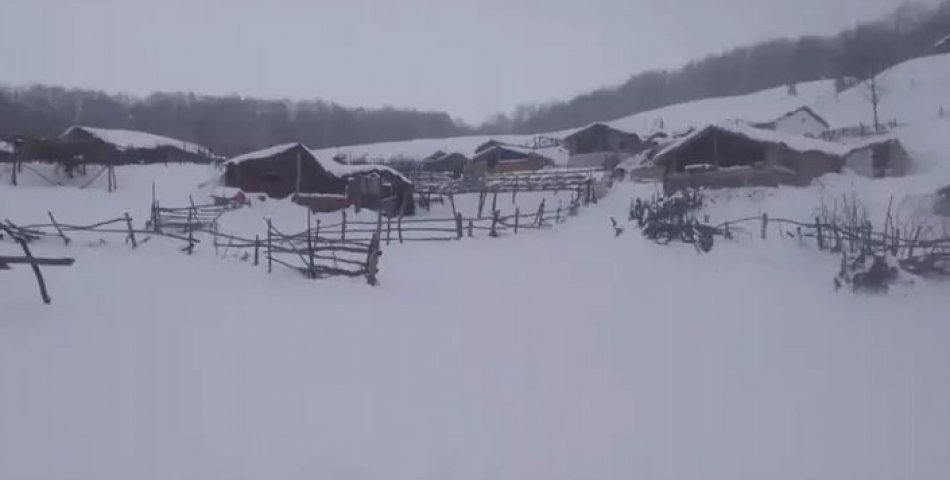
(915, 90)
(559, 354)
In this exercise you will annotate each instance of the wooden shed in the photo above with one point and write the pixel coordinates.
(801, 121)
(878, 158)
(505, 159)
(726, 156)
(284, 170)
(452, 163)
(600, 146)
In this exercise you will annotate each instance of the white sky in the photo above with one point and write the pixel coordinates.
(470, 58)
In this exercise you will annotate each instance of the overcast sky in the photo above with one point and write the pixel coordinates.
(470, 58)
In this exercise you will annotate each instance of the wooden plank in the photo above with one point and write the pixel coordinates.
(46, 262)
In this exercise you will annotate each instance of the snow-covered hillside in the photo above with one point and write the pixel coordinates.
(556, 354)
(913, 93)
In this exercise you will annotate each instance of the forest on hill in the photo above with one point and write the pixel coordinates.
(235, 124)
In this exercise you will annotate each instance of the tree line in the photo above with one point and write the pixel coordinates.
(232, 124)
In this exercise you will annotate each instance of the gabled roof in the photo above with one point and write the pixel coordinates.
(132, 139)
(797, 143)
(265, 153)
(595, 126)
(333, 167)
(803, 108)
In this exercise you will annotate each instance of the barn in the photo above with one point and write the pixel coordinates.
(451, 163)
(878, 158)
(600, 146)
(801, 121)
(505, 159)
(292, 169)
(727, 156)
(140, 147)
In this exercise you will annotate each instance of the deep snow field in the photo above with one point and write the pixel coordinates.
(565, 353)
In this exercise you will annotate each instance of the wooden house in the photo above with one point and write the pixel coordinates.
(878, 158)
(801, 121)
(292, 169)
(600, 146)
(505, 159)
(140, 147)
(452, 163)
(726, 156)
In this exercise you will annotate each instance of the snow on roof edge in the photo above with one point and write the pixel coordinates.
(798, 143)
(125, 139)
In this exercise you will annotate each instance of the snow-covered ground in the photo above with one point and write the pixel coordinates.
(565, 353)
(555, 354)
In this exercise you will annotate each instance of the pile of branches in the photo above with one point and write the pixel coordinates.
(666, 219)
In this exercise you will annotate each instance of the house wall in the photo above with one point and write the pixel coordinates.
(800, 123)
(601, 139)
(883, 160)
(277, 176)
(607, 160)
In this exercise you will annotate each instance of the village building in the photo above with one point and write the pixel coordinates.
(600, 146)
(879, 157)
(6, 152)
(291, 169)
(801, 121)
(942, 203)
(505, 159)
(141, 147)
(450, 163)
(736, 155)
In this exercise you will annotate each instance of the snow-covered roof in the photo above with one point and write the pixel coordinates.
(798, 143)
(865, 142)
(5, 147)
(127, 139)
(332, 167)
(263, 153)
(606, 126)
(803, 108)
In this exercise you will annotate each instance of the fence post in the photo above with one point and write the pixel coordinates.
(191, 235)
(821, 238)
(452, 202)
(765, 225)
(343, 228)
(128, 223)
(257, 247)
(312, 273)
(517, 216)
(494, 200)
(540, 217)
(372, 260)
(471, 229)
(557, 214)
(270, 255)
(36, 268)
(458, 226)
(158, 217)
(58, 229)
(481, 203)
(514, 193)
(494, 222)
(389, 229)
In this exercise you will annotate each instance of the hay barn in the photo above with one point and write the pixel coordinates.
(506, 159)
(728, 156)
(284, 170)
(600, 146)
